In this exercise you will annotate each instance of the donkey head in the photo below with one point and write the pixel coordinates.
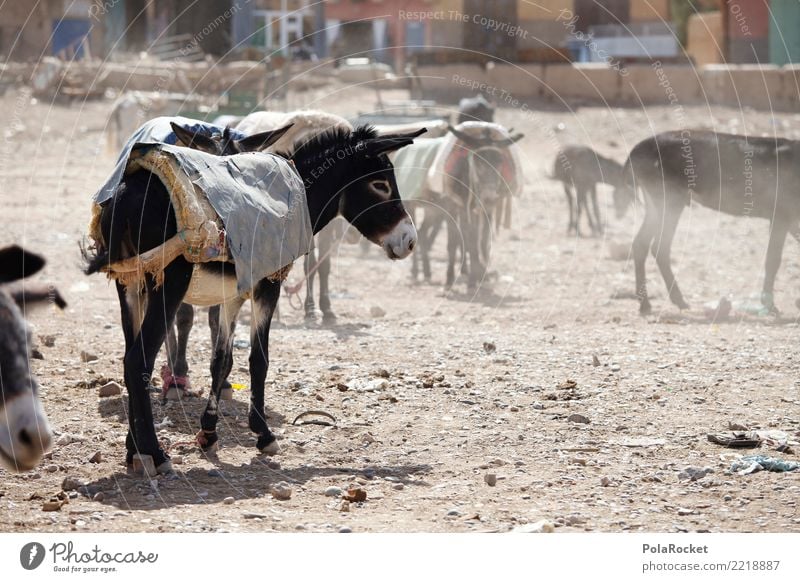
(352, 169)
(24, 431)
(226, 143)
(480, 170)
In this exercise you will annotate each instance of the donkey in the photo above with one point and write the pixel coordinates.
(174, 374)
(734, 174)
(24, 431)
(344, 172)
(474, 183)
(580, 169)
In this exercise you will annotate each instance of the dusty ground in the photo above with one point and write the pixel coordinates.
(452, 410)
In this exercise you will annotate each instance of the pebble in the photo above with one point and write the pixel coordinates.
(454, 513)
(99, 496)
(51, 468)
(87, 357)
(694, 473)
(537, 405)
(97, 457)
(579, 418)
(727, 498)
(398, 486)
(685, 511)
(176, 459)
(228, 500)
(344, 506)
(214, 473)
(251, 515)
(333, 492)
(376, 311)
(69, 438)
(71, 484)
(281, 491)
(605, 481)
(110, 389)
(542, 526)
(490, 479)
(345, 529)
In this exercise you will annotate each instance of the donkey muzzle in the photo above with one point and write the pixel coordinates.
(24, 433)
(401, 240)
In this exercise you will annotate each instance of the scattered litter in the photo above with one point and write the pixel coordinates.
(754, 463)
(315, 413)
(736, 440)
(163, 424)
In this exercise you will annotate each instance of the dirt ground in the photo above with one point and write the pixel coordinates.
(476, 384)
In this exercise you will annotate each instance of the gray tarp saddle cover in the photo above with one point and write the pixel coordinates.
(259, 199)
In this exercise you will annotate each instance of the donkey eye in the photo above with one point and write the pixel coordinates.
(381, 187)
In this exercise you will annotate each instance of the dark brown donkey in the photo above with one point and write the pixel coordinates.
(743, 176)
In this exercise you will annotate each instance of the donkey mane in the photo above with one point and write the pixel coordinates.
(332, 138)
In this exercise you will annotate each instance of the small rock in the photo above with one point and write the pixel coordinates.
(176, 459)
(345, 529)
(228, 500)
(251, 515)
(727, 498)
(454, 513)
(110, 389)
(685, 511)
(71, 484)
(694, 473)
(355, 494)
(97, 457)
(281, 491)
(579, 418)
(87, 357)
(52, 505)
(489, 347)
(537, 405)
(344, 506)
(36, 354)
(69, 438)
(99, 496)
(542, 526)
(333, 491)
(214, 473)
(605, 482)
(490, 479)
(376, 311)
(51, 468)
(398, 486)
(595, 361)
(143, 465)
(615, 368)
(48, 341)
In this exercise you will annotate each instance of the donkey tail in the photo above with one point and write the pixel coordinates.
(112, 226)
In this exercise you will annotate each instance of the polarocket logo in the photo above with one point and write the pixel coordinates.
(32, 555)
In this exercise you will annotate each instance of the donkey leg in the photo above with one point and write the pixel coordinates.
(662, 247)
(221, 364)
(598, 221)
(326, 243)
(452, 247)
(309, 264)
(226, 392)
(132, 304)
(162, 303)
(434, 226)
(508, 210)
(265, 297)
(184, 320)
(641, 246)
(777, 238)
(572, 226)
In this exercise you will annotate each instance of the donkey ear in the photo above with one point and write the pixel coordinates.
(467, 139)
(27, 295)
(17, 263)
(195, 139)
(411, 135)
(516, 138)
(384, 145)
(261, 141)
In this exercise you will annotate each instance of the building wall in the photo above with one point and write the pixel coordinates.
(649, 10)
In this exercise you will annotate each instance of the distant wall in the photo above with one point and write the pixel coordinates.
(757, 86)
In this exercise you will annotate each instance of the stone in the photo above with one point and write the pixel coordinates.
(87, 357)
(99, 496)
(344, 506)
(281, 491)
(143, 465)
(355, 495)
(109, 389)
(345, 529)
(605, 481)
(578, 418)
(542, 526)
(97, 457)
(694, 473)
(176, 459)
(398, 486)
(490, 479)
(252, 515)
(51, 468)
(71, 484)
(333, 491)
(228, 500)
(376, 311)
(214, 473)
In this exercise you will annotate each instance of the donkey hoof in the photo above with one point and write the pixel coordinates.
(207, 440)
(165, 468)
(226, 394)
(328, 317)
(270, 449)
